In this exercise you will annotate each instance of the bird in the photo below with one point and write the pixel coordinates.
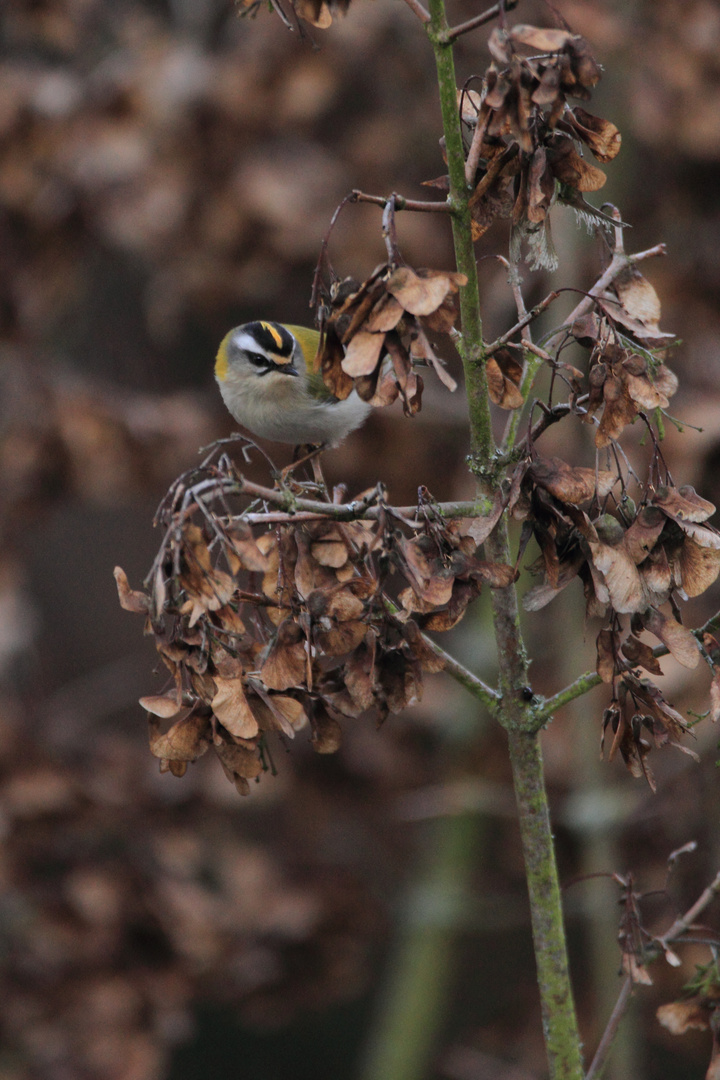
(267, 380)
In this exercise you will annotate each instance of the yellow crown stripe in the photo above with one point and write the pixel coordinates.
(274, 333)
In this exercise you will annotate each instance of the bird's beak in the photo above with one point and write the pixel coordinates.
(284, 364)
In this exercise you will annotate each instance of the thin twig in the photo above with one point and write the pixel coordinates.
(548, 418)
(315, 291)
(296, 508)
(489, 697)
(401, 203)
(416, 7)
(528, 317)
(475, 147)
(479, 20)
(576, 689)
(610, 1031)
(684, 922)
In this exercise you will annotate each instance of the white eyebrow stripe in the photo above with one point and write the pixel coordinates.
(248, 343)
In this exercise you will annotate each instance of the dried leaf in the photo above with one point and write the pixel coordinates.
(341, 638)
(463, 593)
(243, 550)
(240, 763)
(400, 680)
(420, 648)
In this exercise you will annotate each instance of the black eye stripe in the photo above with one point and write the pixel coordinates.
(257, 359)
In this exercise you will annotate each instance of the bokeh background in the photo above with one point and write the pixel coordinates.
(168, 170)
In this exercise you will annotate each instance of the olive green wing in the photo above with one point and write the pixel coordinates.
(309, 341)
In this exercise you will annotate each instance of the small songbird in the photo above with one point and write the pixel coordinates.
(266, 378)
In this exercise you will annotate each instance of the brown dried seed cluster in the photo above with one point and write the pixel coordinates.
(530, 138)
(377, 331)
(630, 564)
(625, 378)
(296, 629)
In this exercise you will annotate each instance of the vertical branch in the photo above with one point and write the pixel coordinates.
(471, 344)
(516, 714)
(562, 1040)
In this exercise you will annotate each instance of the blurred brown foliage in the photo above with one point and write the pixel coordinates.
(166, 171)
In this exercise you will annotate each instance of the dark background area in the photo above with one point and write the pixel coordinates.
(167, 171)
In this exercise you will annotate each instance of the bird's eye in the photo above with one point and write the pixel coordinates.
(257, 359)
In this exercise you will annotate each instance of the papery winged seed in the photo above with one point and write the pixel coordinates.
(421, 295)
(638, 652)
(600, 135)
(286, 662)
(641, 536)
(571, 485)
(677, 638)
(330, 550)
(539, 38)
(638, 296)
(231, 707)
(130, 599)
(644, 393)
(340, 639)
(569, 168)
(362, 355)
(502, 390)
(605, 665)
(681, 1016)
(185, 741)
(326, 732)
(283, 713)
(163, 705)
(240, 763)
(621, 577)
(699, 564)
(683, 504)
(385, 315)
